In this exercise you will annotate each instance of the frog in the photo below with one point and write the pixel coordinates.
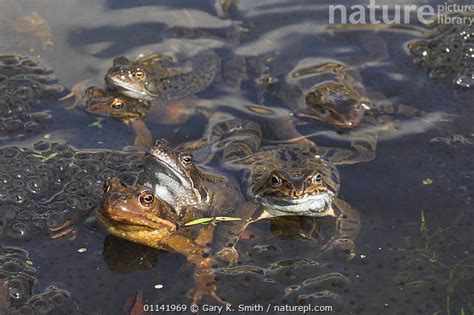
(136, 214)
(162, 77)
(191, 187)
(48, 189)
(112, 104)
(27, 89)
(238, 148)
(342, 101)
(337, 100)
(132, 111)
(285, 180)
(299, 180)
(177, 179)
(181, 79)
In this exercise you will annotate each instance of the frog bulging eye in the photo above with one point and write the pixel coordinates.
(186, 159)
(117, 104)
(139, 74)
(146, 198)
(317, 179)
(276, 181)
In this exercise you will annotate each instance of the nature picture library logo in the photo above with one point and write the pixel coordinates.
(373, 13)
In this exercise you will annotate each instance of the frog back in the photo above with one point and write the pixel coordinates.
(174, 80)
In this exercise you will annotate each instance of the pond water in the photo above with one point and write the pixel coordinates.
(415, 198)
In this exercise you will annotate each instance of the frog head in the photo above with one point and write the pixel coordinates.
(174, 176)
(307, 189)
(135, 213)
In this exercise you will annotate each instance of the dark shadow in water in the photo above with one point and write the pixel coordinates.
(122, 38)
(188, 4)
(124, 257)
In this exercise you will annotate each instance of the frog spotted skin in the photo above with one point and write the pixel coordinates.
(244, 135)
(291, 181)
(295, 180)
(335, 104)
(339, 100)
(160, 77)
(107, 103)
(133, 111)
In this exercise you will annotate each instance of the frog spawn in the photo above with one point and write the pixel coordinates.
(47, 189)
(26, 91)
(448, 53)
(374, 283)
(18, 284)
(268, 279)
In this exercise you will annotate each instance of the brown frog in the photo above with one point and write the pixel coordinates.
(133, 111)
(339, 100)
(161, 77)
(285, 180)
(278, 180)
(175, 178)
(298, 180)
(136, 214)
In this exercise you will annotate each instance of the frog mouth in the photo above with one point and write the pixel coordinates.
(121, 83)
(316, 204)
(145, 235)
(129, 227)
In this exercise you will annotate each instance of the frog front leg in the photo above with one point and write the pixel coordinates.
(143, 137)
(364, 143)
(346, 231)
(362, 151)
(227, 235)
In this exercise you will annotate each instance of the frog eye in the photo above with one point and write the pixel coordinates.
(276, 181)
(317, 179)
(117, 104)
(146, 198)
(186, 159)
(139, 74)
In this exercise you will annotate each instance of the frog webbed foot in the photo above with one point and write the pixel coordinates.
(67, 228)
(204, 285)
(345, 246)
